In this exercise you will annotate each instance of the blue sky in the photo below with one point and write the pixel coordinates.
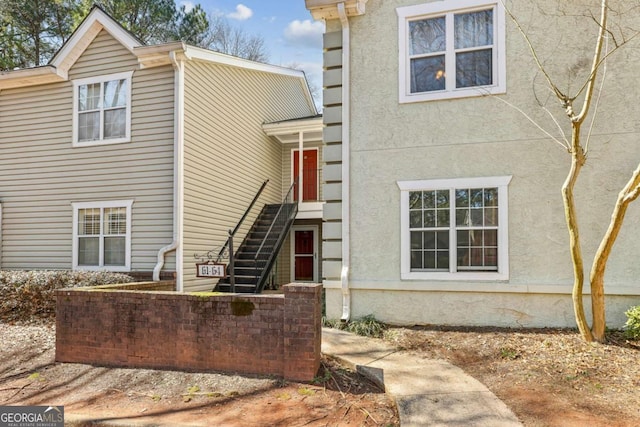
(291, 36)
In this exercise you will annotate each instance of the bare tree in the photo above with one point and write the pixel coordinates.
(577, 107)
(233, 41)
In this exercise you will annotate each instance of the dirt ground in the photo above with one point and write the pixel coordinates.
(547, 377)
(29, 375)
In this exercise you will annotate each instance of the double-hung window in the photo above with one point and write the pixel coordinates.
(451, 49)
(102, 235)
(102, 110)
(454, 229)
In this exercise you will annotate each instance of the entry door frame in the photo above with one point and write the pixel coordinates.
(295, 154)
(315, 229)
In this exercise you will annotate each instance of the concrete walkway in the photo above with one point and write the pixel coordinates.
(427, 392)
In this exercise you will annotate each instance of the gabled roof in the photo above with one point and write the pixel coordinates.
(58, 68)
(96, 21)
(148, 56)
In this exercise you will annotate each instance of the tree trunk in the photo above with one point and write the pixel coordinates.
(577, 160)
(628, 194)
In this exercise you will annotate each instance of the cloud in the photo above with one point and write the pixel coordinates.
(311, 69)
(305, 33)
(242, 13)
(188, 5)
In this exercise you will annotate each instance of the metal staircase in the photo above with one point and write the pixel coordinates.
(250, 265)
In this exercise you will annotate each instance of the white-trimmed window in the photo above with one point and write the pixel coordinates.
(451, 49)
(102, 110)
(102, 235)
(454, 229)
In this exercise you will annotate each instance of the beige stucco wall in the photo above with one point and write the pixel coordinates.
(475, 137)
(41, 174)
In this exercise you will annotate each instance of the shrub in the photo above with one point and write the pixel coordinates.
(632, 326)
(29, 295)
(366, 326)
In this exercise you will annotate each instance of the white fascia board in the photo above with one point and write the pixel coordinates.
(31, 77)
(328, 9)
(58, 68)
(157, 55)
(84, 35)
(221, 58)
(293, 126)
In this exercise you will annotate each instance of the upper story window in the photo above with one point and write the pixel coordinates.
(102, 110)
(102, 235)
(451, 49)
(454, 229)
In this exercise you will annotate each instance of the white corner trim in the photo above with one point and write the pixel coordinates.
(346, 154)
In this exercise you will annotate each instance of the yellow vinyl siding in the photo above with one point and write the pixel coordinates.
(227, 155)
(104, 56)
(41, 174)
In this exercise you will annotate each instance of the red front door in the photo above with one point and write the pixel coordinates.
(304, 255)
(309, 179)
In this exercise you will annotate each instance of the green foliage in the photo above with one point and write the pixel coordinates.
(152, 21)
(321, 379)
(366, 326)
(632, 326)
(31, 31)
(192, 27)
(29, 295)
(509, 353)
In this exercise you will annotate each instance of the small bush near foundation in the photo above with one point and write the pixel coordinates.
(366, 326)
(632, 327)
(29, 295)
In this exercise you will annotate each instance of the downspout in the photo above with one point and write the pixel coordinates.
(344, 274)
(178, 167)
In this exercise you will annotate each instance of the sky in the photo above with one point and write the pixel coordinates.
(292, 37)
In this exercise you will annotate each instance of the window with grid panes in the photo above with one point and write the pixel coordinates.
(102, 110)
(451, 49)
(455, 229)
(102, 235)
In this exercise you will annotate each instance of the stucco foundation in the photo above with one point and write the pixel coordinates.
(513, 310)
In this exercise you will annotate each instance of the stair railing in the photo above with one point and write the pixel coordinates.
(286, 213)
(228, 245)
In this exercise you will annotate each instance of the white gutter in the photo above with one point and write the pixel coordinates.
(344, 274)
(178, 178)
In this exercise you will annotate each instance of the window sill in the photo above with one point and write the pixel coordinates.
(445, 276)
(456, 94)
(85, 144)
(114, 268)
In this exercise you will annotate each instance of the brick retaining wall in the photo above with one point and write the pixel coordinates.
(255, 334)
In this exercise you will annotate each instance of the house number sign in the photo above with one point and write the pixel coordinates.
(211, 270)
